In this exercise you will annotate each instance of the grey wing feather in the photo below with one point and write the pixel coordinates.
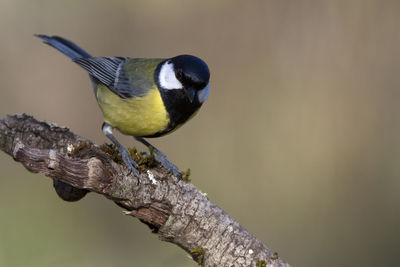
(110, 71)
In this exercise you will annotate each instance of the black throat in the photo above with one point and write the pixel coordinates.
(177, 104)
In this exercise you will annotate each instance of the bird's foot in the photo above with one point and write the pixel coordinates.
(129, 162)
(161, 158)
(164, 161)
(126, 157)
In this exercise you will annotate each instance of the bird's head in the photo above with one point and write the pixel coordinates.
(188, 73)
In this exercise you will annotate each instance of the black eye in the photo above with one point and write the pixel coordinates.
(179, 75)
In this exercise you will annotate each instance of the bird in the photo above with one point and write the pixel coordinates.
(142, 97)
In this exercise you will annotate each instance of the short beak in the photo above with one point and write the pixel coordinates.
(191, 94)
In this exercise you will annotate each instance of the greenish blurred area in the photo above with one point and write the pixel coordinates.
(299, 140)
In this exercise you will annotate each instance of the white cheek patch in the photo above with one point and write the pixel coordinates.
(167, 77)
(203, 93)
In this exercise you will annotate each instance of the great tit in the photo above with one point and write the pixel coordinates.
(142, 97)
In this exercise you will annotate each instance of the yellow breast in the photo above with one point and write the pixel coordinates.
(137, 116)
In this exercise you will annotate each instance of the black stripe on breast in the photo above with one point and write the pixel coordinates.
(177, 104)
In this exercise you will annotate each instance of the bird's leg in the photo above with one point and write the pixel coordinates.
(161, 158)
(129, 162)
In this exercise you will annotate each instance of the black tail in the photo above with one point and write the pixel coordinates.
(66, 47)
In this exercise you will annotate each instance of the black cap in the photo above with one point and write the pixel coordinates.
(191, 71)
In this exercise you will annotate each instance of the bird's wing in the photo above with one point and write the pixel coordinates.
(126, 77)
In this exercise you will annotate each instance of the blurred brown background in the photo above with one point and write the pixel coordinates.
(299, 140)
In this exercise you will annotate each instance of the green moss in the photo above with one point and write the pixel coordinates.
(150, 158)
(143, 159)
(185, 176)
(112, 151)
(261, 263)
(79, 148)
(198, 255)
(135, 155)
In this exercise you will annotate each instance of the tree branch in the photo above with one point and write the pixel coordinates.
(176, 211)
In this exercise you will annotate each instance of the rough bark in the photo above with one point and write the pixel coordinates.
(176, 211)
